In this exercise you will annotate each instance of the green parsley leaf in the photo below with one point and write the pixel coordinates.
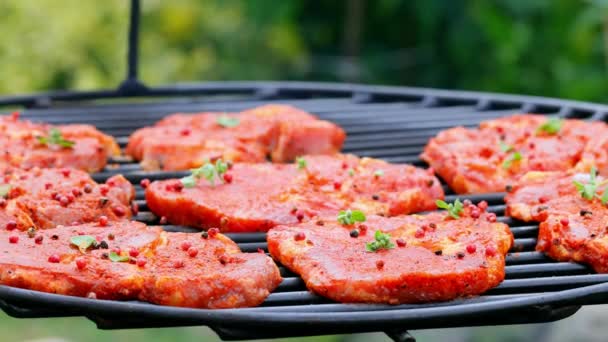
(220, 167)
(114, 257)
(189, 181)
(551, 126)
(516, 156)
(454, 209)
(351, 172)
(348, 217)
(83, 242)
(505, 147)
(378, 173)
(55, 138)
(382, 241)
(588, 190)
(227, 121)
(208, 171)
(4, 190)
(604, 197)
(301, 163)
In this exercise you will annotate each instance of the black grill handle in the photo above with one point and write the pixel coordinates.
(132, 86)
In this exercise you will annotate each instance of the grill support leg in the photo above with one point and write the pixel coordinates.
(400, 336)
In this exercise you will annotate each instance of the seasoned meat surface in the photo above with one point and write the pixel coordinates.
(129, 260)
(572, 228)
(181, 141)
(26, 145)
(260, 196)
(433, 257)
(44, 198)
(500, 151)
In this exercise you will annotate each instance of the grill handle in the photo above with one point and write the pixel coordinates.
(132, 86)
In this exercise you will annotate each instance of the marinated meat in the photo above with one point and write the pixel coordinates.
(430, 258)
(572, 228)
(500, 151)
(181, 141)
(260, 196)
(45, 198)
(26, 145)
(128, 260)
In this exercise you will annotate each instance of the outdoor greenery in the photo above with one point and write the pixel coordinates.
(543, 47)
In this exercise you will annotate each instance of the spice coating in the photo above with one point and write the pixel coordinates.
(500, 151)
(439, 266)
(218, 276)
(26, 145)
(181, 141)
(572, 228)
(261, 196)
(44, 198)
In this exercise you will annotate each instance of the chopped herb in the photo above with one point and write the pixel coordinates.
(83, 242)
(551, 126)
(55, 138)
(454, 209)
(4, 190)
(382, 241)
(227, 121)
(516, 156)
(208, 171)
(351, 172)
(588, 190)
(505, 147)
(378, 173)
(348, 217)
(301, 163)
(114, 257)
(189, 181)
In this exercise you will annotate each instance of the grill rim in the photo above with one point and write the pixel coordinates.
(368, 320)
(271, 89)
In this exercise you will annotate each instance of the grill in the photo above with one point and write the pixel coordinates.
(391, 123)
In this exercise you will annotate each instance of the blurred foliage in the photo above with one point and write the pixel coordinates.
(543, 47)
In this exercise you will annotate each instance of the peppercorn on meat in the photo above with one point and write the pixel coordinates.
(181, 141)
(572, 211)
(45, 198)
(403, 259)
(128, 260)
(500, 151)
(26, 145)
(256, 197)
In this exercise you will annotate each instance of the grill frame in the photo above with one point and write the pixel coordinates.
(387, 122)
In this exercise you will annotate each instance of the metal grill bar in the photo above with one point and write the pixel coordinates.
(389, 123)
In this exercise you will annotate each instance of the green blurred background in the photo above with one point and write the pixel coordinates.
(541, 47)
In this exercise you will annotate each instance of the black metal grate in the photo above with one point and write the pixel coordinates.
(383, 122)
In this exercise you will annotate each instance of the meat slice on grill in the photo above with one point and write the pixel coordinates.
(500, 151)
(430, 258)
(129, 260)
(260, 196)
(25, 145)
(45, 198)
(181, 141)
(572, 227)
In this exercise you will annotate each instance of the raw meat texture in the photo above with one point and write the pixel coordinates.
(501, 151)
(45, 198)
(155, 266)
(262, 195)
(434, 257)
(21, 148)
(181, 141)
(571, 228)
